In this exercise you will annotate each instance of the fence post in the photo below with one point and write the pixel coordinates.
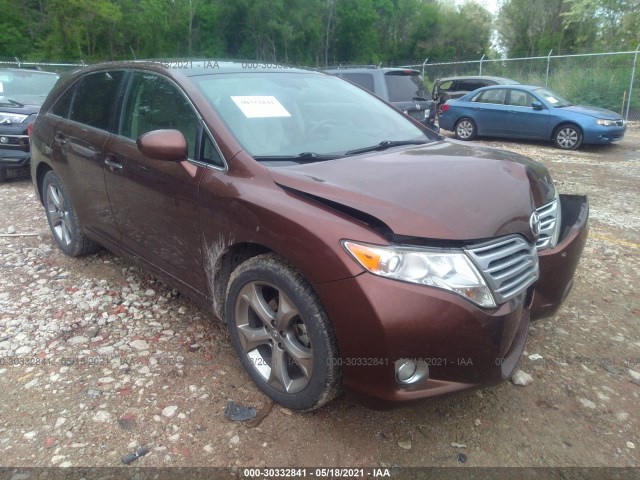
(481, 64)
(633, 73)
(423, 64)
(546, 78)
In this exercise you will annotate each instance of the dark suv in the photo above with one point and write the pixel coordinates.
(21, 94)
(401, 87)
(455, 87)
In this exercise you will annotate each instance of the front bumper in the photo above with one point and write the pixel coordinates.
(378, 321)
(12, 158)
(557, 265)
(603, 135)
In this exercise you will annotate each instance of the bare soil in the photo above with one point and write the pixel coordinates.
(113, 360)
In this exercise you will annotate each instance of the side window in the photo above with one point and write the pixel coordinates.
(154, 103)
(518, 98)
(63, 104)
(95, 98)
(445, 85)
(210, 153)
(496, 96)
(469, 85)
(365, 80)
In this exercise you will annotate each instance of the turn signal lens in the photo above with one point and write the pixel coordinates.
(368, 256)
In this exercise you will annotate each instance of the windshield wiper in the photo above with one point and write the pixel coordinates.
(420, 99)
(384, 145)
(10, 102)
(303, 157)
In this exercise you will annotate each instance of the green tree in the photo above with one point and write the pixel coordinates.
(604, 24)
(530, 28)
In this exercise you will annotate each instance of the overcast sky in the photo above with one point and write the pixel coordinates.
(491, 5)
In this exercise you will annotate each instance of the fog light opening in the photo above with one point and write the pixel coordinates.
(410, 371)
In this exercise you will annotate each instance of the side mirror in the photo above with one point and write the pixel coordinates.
(536, 105)
(168, 145)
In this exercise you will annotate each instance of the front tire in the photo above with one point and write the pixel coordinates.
(3, 175)
(465, 129)
(567, 137)
(282, 334)
(62, 218)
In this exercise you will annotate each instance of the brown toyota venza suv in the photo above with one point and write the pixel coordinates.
(344, 244)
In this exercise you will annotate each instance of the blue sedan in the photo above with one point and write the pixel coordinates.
(524, 111)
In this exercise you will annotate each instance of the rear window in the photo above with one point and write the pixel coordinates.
(406, 87)
(365, 80)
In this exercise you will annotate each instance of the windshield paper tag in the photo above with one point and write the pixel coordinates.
(1, 88)
(552, 100)
(260, 106)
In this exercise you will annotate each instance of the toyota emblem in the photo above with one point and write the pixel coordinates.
(534, 223)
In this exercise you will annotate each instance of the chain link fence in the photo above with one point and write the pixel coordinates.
(57, 67)
(606, 80)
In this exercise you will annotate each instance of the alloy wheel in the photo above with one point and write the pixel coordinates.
(464, 129)
(273, 337)
(58, 214)
(567, 137)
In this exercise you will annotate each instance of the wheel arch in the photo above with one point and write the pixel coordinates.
(41, 171)
(221, 259)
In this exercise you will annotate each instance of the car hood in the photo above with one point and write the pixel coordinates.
(594, 112)
(440, 191)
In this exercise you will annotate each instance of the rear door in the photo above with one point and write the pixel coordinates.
(489, 112)
(155, 202)
(86, 116)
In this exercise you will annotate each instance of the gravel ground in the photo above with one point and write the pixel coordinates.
(98, 359)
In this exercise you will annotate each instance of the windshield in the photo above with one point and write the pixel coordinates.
(292, 114)
(553, 98)
(18, 84)
(405, 87)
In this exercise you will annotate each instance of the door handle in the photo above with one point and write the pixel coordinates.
(111, 162)
(60, 138)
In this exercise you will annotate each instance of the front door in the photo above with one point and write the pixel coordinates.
(155, 202)
(522, 119)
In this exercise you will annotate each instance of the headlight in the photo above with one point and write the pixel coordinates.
(607, 123)
(12, 117)
(446, 269)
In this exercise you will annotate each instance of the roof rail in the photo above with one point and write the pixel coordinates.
(342, 65)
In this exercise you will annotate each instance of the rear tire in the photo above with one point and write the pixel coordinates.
(282, 334)
(62, 218)
(465, 129)
(567, 137)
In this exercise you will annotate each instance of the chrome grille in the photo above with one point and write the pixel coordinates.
(549, 215)
(509, 265)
